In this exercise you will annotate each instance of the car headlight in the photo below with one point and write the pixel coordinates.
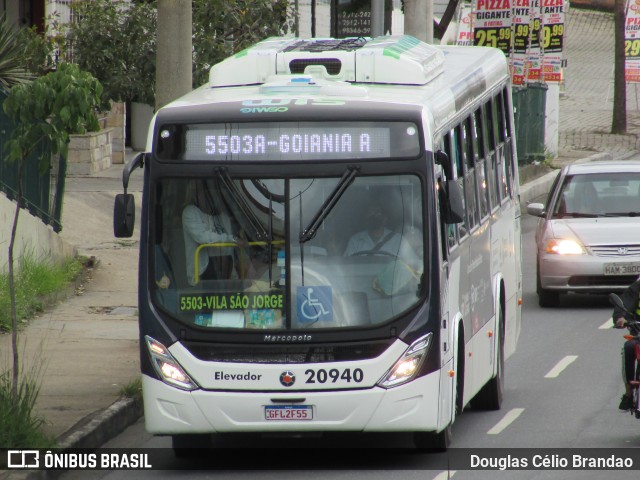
(167, 367)
(564, 246)
(408, 365)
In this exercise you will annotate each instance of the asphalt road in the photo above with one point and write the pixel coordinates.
(563, 386)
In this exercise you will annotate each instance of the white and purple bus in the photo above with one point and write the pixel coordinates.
(364, 231)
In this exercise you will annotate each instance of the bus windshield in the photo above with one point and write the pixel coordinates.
(234, 253)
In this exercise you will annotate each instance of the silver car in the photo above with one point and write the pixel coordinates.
(588, 234)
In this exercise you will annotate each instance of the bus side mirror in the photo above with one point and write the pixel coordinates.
(455, 211)
(124, 215)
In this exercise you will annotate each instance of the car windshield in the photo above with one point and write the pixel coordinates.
(598, 195)
(237, 253)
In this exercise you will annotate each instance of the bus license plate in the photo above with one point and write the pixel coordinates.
(288, 412)
(622, 268)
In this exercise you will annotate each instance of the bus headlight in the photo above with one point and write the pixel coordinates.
(408, 365)
(167, 368)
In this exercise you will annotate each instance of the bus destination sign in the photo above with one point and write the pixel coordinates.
(299, 141)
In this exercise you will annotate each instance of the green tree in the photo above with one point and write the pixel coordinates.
(40, 49)
(224, 27)
(52, 107)
(116, 43)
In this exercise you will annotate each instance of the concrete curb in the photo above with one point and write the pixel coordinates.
(91, 432)
(96, 429)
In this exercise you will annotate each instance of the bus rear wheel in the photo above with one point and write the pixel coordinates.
(490, 396)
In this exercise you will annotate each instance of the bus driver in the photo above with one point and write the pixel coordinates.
(377, 237)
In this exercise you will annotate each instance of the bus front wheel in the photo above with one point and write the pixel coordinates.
(433, 441)
(189, 445)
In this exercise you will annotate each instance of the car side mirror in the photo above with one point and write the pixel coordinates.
(124, 215)
(536, 209)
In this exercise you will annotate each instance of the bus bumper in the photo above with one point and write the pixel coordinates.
(409, 407)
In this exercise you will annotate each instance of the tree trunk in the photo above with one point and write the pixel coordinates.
(619, 124)
(174, 52)
(12, 291)
(416, 15)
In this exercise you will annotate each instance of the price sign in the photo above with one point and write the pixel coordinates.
(632, 42)
(553, 39)
(492, 25)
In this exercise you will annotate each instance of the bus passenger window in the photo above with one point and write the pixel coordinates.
(481, 132)
(456, 151)
(469, 176)
(456, 157)
(448, 230)
(482, 188)
(494, 195)
(505, 131)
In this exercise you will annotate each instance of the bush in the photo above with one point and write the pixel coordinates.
(36, 282)
(19, 426)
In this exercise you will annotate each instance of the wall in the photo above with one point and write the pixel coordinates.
(115, 120)
(89, 153)
(32, 236)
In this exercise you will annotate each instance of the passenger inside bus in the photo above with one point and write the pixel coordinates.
(204, 222)
(165, 279)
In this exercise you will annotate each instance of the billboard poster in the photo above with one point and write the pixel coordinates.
(521, 20)
(464, 36)
(533, 64)
(632, 42)
(553, 12)
(531, 33)
(492, 24)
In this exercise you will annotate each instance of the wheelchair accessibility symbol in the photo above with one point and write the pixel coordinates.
(314, 304)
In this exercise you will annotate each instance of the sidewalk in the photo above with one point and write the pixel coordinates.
(88, 345)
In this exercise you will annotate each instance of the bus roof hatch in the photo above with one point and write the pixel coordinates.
(397, 59)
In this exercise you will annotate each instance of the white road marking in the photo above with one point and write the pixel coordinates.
(560, 366)
(445, 475)
(606, 325)
(506, 421)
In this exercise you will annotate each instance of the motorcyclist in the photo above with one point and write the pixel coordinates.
(631, 300)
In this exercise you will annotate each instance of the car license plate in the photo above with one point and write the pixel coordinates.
(288, 412)
(622, 268)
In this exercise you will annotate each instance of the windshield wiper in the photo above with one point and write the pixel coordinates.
(578, 215)
(347, 179)
(621, 214)
(239, 200)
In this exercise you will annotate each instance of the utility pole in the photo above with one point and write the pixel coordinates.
(377, 18)
(619, 123)
(418, 19)
(174, 51)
